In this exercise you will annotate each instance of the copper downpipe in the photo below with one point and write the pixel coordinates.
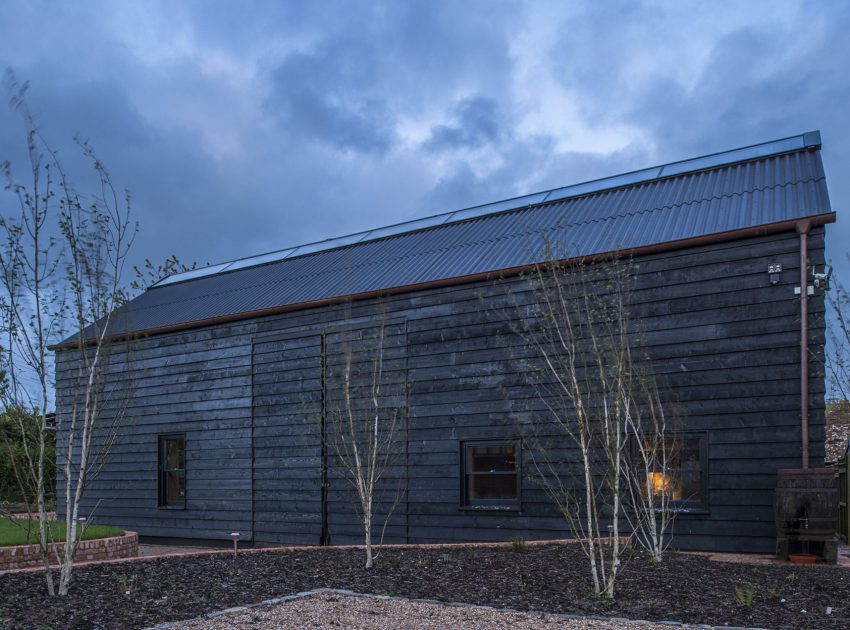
(803, 230)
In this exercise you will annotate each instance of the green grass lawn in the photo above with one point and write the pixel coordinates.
(15, 533)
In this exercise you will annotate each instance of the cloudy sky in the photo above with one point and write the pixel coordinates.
(243, 127)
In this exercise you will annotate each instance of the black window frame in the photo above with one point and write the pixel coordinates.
(499, 505)
(163, 472)
(690, 506)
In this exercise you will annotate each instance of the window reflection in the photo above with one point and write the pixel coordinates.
(491, 475)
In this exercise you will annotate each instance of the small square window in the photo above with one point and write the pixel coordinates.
(490, 474)
(172, 471)
(685, 477)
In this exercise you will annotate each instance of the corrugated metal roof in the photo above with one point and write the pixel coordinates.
(758, 190)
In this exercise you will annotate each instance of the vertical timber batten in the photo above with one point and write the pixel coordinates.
(406, 440)
(323, 436)
(253, 480)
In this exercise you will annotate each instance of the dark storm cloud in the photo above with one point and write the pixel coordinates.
(324, 95)
(381, 62)
(476, 121)
(740, 95)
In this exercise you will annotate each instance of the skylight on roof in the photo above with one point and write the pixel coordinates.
(736, 155)
(261, 259)
(192, 274)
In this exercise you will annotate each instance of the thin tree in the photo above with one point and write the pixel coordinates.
(33, 313)
(573, 332)
(365, 431)
(98, 232)
(62, 260)
(838, 369)
(838, 337)
(597, 400)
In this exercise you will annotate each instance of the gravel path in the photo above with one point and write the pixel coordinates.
(147, 550)
(332, 610)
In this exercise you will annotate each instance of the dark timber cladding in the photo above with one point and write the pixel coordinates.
(251, 393)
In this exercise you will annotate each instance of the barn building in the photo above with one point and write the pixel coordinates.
(234, 364)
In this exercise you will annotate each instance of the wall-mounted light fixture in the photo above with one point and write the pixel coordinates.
(821, 280)
(774, 269)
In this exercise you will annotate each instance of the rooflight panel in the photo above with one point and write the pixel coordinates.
(259, 260)
(328, 244)
(736, 155)
(598, 185)
(401, 228)
(490, 208)
(192, 274)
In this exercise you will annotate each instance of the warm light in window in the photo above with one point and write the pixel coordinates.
(659, 483)
(678, 472)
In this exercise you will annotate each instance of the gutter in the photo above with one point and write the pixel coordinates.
(732, 235)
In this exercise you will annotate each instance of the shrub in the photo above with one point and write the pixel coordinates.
(12, 448)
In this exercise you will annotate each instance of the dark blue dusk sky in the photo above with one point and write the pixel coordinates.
(242, 127)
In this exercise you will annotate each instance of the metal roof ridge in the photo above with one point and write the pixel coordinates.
(790, 144)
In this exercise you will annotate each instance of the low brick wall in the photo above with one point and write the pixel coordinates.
(49, 516)
(27, 556)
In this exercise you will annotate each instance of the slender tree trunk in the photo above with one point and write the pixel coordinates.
(43, 525)
(70, 517)
(589, 505)
(41, 368)
(615, 553)
(367, 525)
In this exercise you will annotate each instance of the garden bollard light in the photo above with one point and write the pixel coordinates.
(235, 537)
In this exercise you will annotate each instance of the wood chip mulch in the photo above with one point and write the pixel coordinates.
(551, 578)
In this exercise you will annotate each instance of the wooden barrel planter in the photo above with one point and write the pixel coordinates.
(806, 512)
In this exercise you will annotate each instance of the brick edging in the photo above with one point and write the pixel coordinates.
(287, 549)
(16, 558)
(532, 613)
(294, 548)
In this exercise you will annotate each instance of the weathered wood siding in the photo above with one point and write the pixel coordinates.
(287, 436)
(249, 395)
(298, 401)
(198, 384)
